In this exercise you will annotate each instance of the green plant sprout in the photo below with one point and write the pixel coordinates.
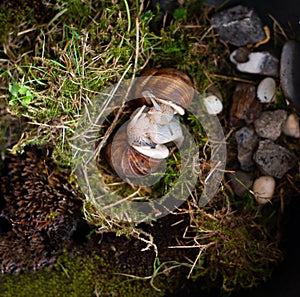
(20, 93)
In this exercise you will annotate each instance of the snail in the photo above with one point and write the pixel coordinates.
(148, 131)
(168, 84)
(126, 161)
(141, 145)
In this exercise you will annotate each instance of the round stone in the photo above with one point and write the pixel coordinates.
(290, 72)
(266, 90)
(263, 189)
(291, 126)
(213, 104)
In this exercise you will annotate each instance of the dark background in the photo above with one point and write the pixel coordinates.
(286, 278)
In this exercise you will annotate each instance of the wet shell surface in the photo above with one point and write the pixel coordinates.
(140, 147)
(167, 84)
(266, 90)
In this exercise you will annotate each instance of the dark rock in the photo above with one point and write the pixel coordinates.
(239, 26)
(247, 141)
(240, 182)
(269, 124)
(245, 106)
(290, 72)
(274, 159)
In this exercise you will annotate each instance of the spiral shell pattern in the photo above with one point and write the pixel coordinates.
(168, 84)
(125, 160)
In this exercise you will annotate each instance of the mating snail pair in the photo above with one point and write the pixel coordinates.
(139, 146)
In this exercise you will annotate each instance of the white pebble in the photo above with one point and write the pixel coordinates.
(291, 126)
(213, 104)
(257, 63)
(266, 90)
(263, 189)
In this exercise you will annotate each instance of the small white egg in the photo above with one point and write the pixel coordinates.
(263, 189)
(213, 104)
(266, 90)
(291, 126)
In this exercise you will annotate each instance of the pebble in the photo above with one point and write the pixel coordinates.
(262, 63)
(245, 106)
(291, 126)
(273, 159)
(240, 55)
(290, 72)
(269, 124)
(266, 90)
(213, 101)
(246, 143)
(263, 188)
(240, 181)
(239, 26)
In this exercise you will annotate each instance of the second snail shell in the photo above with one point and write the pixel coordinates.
(126, 161)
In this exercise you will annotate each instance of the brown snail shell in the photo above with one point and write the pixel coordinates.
(125, 160)
(168, 84)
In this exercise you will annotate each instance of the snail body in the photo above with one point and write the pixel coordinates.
(151, 130)
(140, 146)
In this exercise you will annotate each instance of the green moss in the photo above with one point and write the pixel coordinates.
(77, 276)
(241, 256)
(87, 46)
